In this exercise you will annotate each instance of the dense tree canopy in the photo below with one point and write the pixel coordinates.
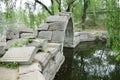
(34, 12)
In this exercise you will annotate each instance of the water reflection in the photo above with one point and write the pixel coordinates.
(89, 61)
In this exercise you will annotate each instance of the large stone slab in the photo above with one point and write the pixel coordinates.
(36, 75)
(23, 55)
(8, 74)
(60, 26)
(58, 36)
(43, 27)
(45, 35)
(24, 69)
(43, 58)
(56, 19)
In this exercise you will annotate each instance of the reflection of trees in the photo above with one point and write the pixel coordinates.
(65, 73)
(90, 62)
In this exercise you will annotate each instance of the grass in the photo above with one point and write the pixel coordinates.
(12, 65)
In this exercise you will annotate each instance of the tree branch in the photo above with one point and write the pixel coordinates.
(37, 1)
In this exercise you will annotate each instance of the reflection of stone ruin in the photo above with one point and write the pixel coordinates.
(39, 53)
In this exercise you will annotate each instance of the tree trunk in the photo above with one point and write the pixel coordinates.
(69, 5)
(52, 7)
(84, 14)
(59, 5)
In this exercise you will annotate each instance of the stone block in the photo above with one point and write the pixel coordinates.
(58, 36)
(2, 50)
(68, 14)
(25, 69)
(59, 59)
(43, 27)
(52, 67)
(43, 58)
(60, 26)
(11, 35)
(36, 75)
(65, 14)
(25, 30)
(22, 55)
(53, 51)
(49, 70)
(77, 34)
(45, 35)
(55, 45)
(27, 35)
(42, 44)
(56, 19)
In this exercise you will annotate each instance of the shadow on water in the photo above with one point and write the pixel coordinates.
(89, 61)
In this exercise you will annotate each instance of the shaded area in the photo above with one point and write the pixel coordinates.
(89, 61)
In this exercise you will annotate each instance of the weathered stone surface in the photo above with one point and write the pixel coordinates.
(76, 41)
(60, 26)
(56, 19)
(68, 14)
(24, 69)
(65, 14)
(48, 72)
(42, 44)
(11, 35)
(55, 45)
(43, 58)
(36, 75)
(53, 51)
(53, 66)
(23, 55)
(2, 50)
(77, 34)
(27, 35)
(43, 27)
(25, 30)
(58, 36)
(11, 42)
(45, 35)
(8, 74)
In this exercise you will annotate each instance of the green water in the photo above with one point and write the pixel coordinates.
(89, 61)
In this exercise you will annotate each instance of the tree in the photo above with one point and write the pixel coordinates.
(51, 12)
(113, 26)
(85, 7)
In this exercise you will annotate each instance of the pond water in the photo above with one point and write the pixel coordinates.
(89, 61)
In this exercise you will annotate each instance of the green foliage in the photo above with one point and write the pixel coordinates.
(29, 40)
(113, 26)
(16, 44)
(12, 65)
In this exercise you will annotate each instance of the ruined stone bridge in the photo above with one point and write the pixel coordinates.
(40, 55)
